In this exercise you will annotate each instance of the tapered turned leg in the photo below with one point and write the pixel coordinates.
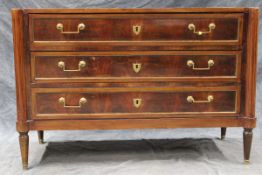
(40, 137)
(223, 133)
(24, 143)
(247, 138)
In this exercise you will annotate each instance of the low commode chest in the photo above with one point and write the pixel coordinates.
(85, 69)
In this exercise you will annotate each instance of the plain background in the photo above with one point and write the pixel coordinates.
(200, 153)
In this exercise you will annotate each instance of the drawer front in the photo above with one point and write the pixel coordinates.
(93, 103)
(133, 67)
(128, 29)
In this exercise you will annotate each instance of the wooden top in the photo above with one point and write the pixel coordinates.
(138, 10)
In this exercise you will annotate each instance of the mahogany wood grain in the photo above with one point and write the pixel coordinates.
(118, 102)
(247, 141)
(160, 123)
(114, 30)
(19, 56)
(24, 145)
(138, 84)
(138, 10)
(154, 27)
(108, 82)
(250, 66)
(134, 46)
(119, 66)
(122, 103)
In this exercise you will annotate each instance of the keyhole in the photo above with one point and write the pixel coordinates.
(137, 102)
(137, 66)
(136, 29)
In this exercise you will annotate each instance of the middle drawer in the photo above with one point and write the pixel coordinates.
(135, 66)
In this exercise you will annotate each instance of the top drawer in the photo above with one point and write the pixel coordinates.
(135, 31)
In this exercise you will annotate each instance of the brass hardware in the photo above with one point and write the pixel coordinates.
(80, 27)
(191, 63)
(192, 27)
(137, 29)
(81, 64)
(137, 102)
(190, 99)
(137, 67)
(82, 101)
(246, 162)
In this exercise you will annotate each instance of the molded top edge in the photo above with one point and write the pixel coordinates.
(140, 10)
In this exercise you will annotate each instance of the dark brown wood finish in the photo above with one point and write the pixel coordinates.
(117, 31)
(24, 146)
(161, 123)
(19, 56)
(164, 102)
(136, 10)
(250, 66)
(120, 66)
(223, 133)
(134, 77)
(154, 27)
(40, 135)
(247, 136)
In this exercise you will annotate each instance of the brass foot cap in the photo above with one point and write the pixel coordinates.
(41, 141)
(25, 167)
(246, 162)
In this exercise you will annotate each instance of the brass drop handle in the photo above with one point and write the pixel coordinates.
(81, 64)
(191, 63)
(137, 102)
(192, 27)
(190, 99)
(62, 101)
(137, 67)
(80, 27)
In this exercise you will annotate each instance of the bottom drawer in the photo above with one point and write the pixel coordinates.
(120, 103)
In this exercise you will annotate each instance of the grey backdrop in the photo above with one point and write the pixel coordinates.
(192, 149)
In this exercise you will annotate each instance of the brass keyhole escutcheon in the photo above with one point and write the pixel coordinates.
(137, 67)
(137, 29)
(137, 102)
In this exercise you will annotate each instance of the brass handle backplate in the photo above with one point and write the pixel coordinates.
(81, 64)
(137, 67)
(191, 63)
(137, 29)
(62, 101)
(137, 102)
(190, 99)
(80, 27)
(192, 27)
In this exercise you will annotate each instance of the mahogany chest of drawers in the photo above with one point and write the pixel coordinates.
(83, 69)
